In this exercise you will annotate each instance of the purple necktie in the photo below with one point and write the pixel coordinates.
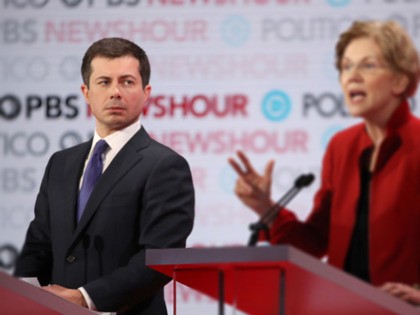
(92, 173)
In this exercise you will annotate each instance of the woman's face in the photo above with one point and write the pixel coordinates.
(371, 88)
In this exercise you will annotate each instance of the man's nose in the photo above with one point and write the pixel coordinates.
(116, 93)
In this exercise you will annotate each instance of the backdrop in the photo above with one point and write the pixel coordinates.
(255, 75)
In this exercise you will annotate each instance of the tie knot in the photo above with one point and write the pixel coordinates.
(100, 147)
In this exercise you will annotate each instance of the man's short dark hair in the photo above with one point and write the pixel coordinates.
(115, 47)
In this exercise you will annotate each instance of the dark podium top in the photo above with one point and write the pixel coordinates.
(274, 280)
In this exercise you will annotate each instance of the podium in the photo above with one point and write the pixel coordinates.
(18, 297)
(273, 280)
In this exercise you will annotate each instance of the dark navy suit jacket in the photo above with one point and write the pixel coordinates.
(144, 199)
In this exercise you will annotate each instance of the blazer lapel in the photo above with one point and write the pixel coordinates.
(125, 160)
(73, 168)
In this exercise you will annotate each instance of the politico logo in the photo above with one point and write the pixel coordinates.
(24, 144)
(294, 29)
(276, 106)
(327, 105)
(21, 144)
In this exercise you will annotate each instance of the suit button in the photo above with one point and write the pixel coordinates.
(70, 258)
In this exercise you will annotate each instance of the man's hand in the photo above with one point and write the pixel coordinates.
(74, 296)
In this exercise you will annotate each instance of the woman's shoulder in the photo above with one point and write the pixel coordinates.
(349, 133)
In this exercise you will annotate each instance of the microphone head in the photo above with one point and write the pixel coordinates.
(304, 180)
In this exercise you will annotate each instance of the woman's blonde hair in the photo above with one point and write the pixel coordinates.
(397, 48)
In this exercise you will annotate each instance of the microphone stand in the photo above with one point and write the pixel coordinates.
(262, 224)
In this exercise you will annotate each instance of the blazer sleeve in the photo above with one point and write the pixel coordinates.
(35, 259)
(310, 235)
(166, 219)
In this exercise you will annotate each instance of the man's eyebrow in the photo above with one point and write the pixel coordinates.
(102, 77)
(127, 76)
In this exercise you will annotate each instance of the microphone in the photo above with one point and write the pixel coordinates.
(302, 181)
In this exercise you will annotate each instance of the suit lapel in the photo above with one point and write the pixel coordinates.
(72, 168)
(123, 162)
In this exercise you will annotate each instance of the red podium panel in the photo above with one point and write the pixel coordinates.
(273, 280)
(18, 297)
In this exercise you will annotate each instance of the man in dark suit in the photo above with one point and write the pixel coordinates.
(89, 247)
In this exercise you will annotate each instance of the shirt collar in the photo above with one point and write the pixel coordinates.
(119, 138)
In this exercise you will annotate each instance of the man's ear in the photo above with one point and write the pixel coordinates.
(147, 91)
(85, 92)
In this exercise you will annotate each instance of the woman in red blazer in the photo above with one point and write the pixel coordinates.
(366, 214)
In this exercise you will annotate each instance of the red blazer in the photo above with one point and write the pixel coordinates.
(394, 212)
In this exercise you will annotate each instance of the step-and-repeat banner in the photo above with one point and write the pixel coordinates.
(255, 75)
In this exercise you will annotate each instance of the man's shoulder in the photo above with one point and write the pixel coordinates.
(76, 149)
(159, 150)
(154, 146)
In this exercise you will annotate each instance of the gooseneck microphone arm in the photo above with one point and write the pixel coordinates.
(271, 213)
